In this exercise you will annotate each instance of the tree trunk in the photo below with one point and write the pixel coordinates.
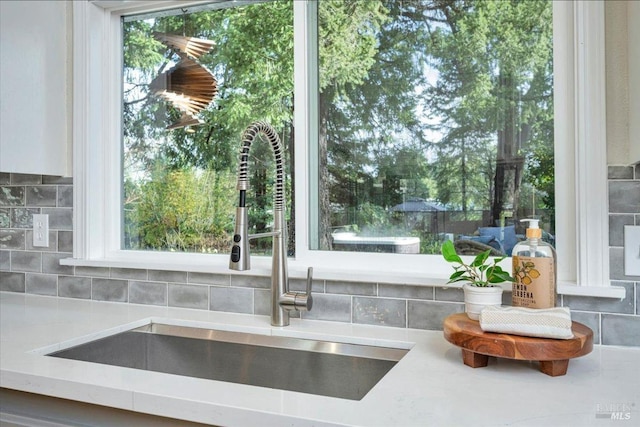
(463, 172)
(509, 163)
(324, 202)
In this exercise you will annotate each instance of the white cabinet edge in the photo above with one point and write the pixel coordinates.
(35, 103)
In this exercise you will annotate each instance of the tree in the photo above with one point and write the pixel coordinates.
(494, 60)
(347, 31)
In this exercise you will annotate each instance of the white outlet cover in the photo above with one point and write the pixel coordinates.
(632, 250)
(41, 230)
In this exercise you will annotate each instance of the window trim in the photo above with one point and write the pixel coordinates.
(582, 183)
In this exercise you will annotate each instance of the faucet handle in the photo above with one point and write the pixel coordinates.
(299, 301)
(304, 301)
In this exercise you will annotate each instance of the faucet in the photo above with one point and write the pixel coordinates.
(283, 301)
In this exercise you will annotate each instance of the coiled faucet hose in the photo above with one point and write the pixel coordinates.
(248, 137)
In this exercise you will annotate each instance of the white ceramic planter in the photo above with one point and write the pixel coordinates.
(476, 298)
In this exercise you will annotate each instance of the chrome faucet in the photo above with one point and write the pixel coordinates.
(282, 300)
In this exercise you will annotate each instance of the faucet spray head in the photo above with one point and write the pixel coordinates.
(240, 259)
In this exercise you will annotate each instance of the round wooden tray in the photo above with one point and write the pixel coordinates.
(553, 354)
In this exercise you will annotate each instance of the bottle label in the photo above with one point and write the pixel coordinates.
(535, 282)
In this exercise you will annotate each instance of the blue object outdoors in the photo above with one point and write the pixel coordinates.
(506, 236)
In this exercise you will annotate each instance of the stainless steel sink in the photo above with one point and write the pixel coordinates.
(324, 368)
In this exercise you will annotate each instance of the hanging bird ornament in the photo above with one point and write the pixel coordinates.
(188, 85)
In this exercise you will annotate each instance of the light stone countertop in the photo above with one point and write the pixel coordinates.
(429, 386)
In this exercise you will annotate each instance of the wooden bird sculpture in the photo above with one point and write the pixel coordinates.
(191, 46)
(188, 85)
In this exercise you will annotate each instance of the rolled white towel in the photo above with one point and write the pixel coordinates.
(531, 322)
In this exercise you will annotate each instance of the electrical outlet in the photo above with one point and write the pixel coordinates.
(41, 230)
(632, 250)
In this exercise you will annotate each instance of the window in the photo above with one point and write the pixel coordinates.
(435, 121)
(97, 189)
(179, 174)
(429, 127)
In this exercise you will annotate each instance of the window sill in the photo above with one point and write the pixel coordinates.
(592, 291)
(261, 266)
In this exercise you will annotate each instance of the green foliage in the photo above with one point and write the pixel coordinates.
(371, 216)
(540, 173)
(480, 272)
(182, 210)
(348, 32)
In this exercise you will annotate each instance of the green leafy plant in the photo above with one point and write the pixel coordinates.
(482, 272)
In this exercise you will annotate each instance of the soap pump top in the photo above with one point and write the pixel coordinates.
(533, 230)
(534, 246)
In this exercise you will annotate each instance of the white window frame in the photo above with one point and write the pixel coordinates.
(581, 169)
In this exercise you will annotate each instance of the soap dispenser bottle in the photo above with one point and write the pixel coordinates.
(534, 268)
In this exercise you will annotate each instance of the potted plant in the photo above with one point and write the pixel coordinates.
(482, 277)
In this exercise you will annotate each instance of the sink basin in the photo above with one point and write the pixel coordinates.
(324, 368)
